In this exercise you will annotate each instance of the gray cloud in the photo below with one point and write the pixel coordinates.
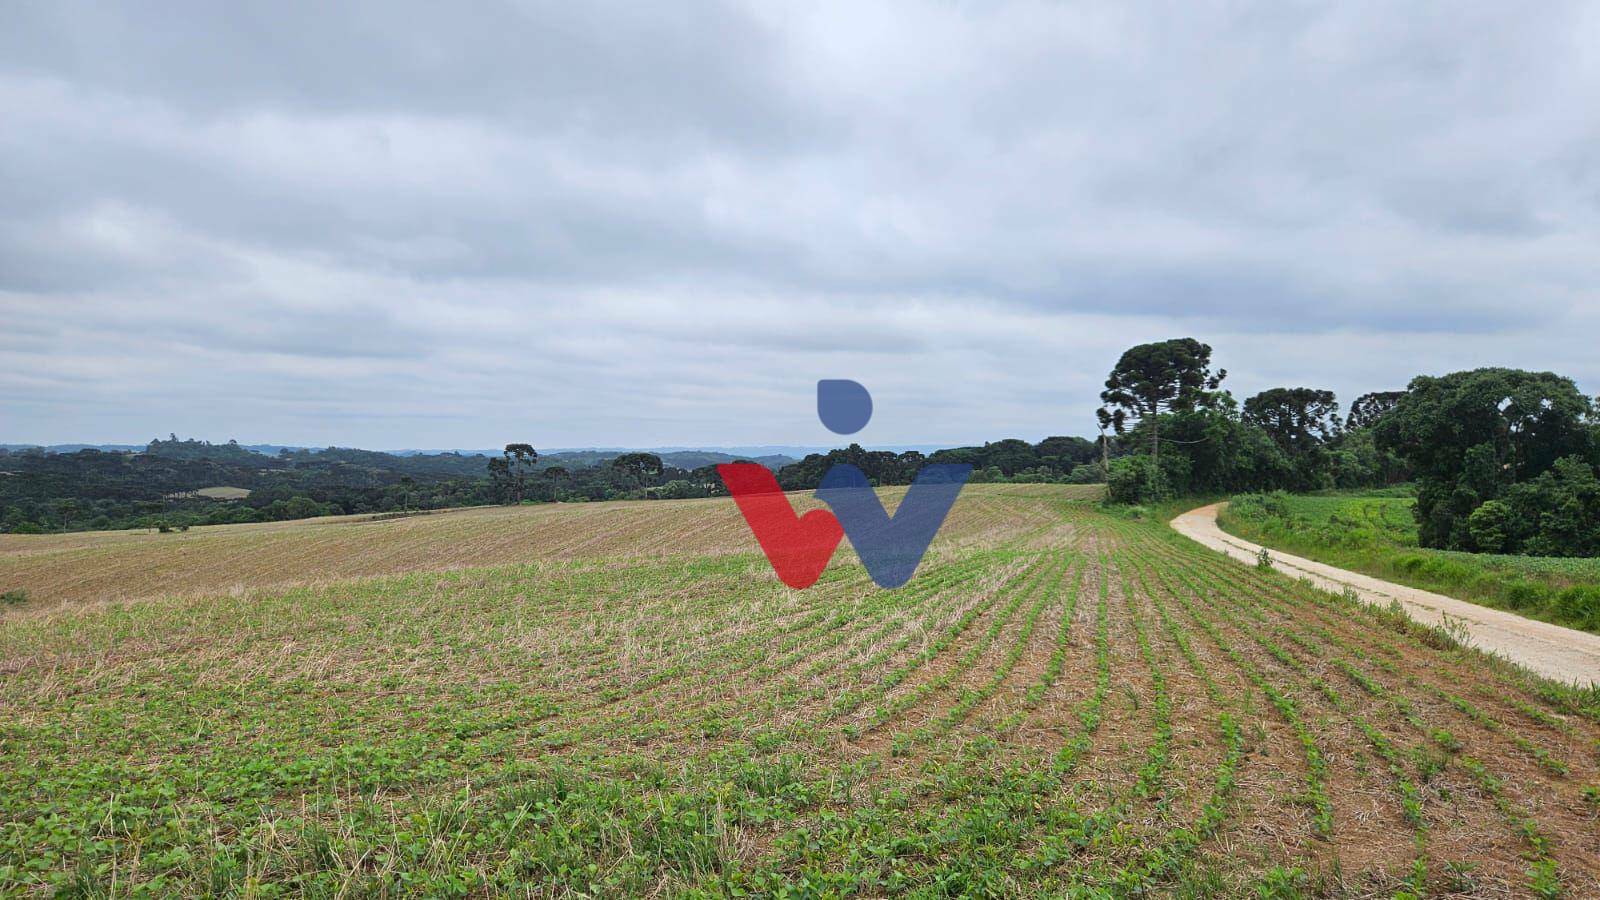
(405, 224)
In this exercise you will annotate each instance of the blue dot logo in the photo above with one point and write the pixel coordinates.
(844, 406)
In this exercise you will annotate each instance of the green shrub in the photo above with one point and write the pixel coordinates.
(1580, 604)
(1409, 562)
(1524, 594)
(1490, 525)
(1088, 473)
(14, 598)
(1136, 479)
(1450, 572)
(676, 489)
(1273, 505)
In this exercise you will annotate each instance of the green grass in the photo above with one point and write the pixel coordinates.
(1374, 532)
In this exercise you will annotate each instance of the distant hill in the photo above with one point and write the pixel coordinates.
(723, 453)
(681, 459)
(778, 454)
(176, 483)
(264, 449)
(453, 462)
(72, 448)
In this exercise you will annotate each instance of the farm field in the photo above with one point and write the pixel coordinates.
(1374, 532)
(622, 700)
(216, 493)
(83, 567)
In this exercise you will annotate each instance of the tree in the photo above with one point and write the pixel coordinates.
(500, 477)
(1167, 376)
(676, 489)
(1088, 473)
(638, 468)
(1301, 421)
(301, 508)
(69, 508)
(1471, 435)
(509, 472)
(1136, 479)
(521, 459)
(707, 479)
(1357, 462)
(1369, 408)
(1296, 419)
(555, 479)
(1065, 453)
(1214, 451)
(1010, 455)
(1555, 514)
(880, 466)
(1491, 527)
(1563, 506)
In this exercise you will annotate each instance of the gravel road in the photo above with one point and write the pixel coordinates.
(1550, 650)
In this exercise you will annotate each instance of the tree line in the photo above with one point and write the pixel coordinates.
(157, 488)
(1054, 459)
(1504, 460)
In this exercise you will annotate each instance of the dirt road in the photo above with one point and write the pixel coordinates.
(1550, 650)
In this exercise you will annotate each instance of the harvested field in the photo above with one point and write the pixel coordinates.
(622, 700)
(98, 566)
(216, 493)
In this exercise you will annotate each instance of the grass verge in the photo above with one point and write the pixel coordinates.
(1373, 532)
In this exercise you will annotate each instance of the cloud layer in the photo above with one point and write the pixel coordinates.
(405, 225)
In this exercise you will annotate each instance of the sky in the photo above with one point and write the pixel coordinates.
(398, 224)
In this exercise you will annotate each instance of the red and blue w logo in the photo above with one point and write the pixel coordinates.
(799, 547)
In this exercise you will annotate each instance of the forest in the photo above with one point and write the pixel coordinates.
(175, 484)
(1502, 460)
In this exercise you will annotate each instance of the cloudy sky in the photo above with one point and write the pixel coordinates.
(437, 225)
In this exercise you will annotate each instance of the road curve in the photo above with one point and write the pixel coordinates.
(1550, 650)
